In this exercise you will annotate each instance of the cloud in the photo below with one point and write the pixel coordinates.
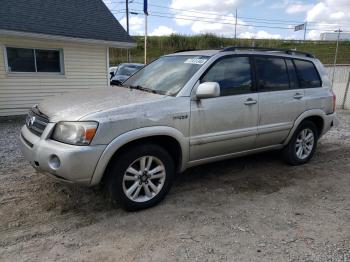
(337, 15)
(205, 5)
(280, 4)
(226, 27)
(259, 35)
(162, 30)
(292, 6)
(217, 19)
(108, 3)
(136, 25)
(298, 8)
(319, 10)
(328, 15)
(258, 3)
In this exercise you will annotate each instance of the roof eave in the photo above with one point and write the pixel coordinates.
(68, 39)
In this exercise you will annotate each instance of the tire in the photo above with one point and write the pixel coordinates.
(126, 184)
(300, 149)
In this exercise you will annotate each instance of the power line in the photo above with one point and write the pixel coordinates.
(230, 18)
(213, 13)
(222, 21)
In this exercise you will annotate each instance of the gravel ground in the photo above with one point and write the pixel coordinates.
(254, 208)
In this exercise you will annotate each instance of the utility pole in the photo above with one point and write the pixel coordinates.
(145, 39)
(145, 11)
(305, 25)
(336, 54)
(236, 25)
(127, 27)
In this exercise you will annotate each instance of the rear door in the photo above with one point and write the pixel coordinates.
(225, 124)
(281, 100)
(310, 81)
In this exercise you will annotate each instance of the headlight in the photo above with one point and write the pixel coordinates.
(75, 133)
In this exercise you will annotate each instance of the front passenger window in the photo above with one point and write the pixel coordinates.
(233, 75)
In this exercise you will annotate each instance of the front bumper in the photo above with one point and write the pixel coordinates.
(76, 163)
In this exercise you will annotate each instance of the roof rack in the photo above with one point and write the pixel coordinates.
(184, 50)
(266, 49)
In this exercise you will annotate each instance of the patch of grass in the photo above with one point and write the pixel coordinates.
(161, 45)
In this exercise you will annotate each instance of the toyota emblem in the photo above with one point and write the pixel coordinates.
(30, 120)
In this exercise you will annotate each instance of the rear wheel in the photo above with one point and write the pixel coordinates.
(141, 176)
(302, 145)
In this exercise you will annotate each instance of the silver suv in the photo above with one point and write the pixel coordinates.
(182, 110)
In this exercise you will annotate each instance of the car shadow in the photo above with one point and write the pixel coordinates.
(264, 172)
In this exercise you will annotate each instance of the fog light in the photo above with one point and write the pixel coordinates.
(54, 162)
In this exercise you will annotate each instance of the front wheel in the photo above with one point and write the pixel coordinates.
(141, 176)
(302, 145)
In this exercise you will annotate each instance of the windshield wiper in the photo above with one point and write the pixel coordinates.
(142, 88)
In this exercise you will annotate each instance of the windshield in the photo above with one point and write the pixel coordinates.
(127, 70)
(167, 75)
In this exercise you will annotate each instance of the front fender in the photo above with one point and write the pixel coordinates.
(327, 122)
(136, 134)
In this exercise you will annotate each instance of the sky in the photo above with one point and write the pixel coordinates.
(256, 18)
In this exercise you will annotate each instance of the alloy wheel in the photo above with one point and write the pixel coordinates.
(304, 143)
(144, 179)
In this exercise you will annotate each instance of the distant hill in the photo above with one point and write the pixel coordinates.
(161, 45)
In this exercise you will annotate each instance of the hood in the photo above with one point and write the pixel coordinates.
(75, 105)
(120, 78)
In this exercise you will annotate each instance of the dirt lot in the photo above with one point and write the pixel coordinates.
(249, 209)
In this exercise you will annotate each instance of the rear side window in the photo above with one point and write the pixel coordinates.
(293, 79)
(233, 75)
(307, 74)
(272, 74)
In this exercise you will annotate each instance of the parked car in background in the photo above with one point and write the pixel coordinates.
(124, 71)
(182, 110)
(112, 70)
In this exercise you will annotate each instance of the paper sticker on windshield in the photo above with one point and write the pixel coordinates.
(195, 61)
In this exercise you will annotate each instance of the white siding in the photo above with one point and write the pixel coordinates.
(85, 66)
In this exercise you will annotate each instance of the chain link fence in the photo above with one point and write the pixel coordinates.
(341, 84)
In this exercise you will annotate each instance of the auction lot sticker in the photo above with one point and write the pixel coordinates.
(196, 61)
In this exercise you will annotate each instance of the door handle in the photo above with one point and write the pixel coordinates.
(250, 101)
(298, 96)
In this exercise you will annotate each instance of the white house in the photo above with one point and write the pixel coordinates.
(333, 36)
(49, 47)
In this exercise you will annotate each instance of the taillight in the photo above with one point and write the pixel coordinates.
(334, 101)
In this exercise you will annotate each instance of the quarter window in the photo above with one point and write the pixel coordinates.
(272, 74)
(307, 73)
(233, 75)
(34, 60)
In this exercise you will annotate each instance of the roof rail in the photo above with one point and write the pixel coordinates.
(267, 49)
(184, 50)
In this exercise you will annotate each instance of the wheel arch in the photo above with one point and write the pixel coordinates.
(317, 116)
(166, 137)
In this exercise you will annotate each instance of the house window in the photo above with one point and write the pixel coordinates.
(34, 60)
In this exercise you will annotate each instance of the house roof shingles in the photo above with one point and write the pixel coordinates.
(86, 19)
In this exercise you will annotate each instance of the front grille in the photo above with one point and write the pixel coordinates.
(36, 122)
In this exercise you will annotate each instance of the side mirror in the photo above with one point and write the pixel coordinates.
(208, 90)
